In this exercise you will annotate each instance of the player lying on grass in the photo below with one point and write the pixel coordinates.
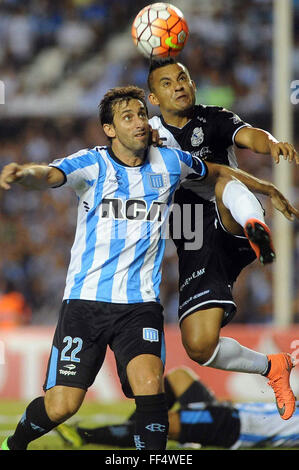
(111, 296)
(196, 416)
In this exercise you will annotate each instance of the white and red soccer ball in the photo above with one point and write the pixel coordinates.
(160, 30)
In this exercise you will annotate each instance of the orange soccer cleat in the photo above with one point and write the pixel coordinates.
(259, 237)
(279, 380)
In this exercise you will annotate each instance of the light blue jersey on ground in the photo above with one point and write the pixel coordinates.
(262, 426)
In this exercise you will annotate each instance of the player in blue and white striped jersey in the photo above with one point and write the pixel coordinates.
(112, 291)
(122, 210)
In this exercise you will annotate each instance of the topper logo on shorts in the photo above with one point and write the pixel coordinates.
(150, 334)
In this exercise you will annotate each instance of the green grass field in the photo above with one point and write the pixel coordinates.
(90, 414)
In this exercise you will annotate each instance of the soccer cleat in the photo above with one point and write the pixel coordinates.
(279, 380)
(259, 237)
(4, 445)
(69, 435)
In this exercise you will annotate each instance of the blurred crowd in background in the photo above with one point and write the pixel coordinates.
(57, 59)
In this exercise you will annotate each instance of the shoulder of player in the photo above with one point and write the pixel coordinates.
(209, 110)
(86, 153)
(80, 159)
(155, 122)
(92, 155)
(169, 154)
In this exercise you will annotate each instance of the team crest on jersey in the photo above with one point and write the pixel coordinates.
(150, 334)
(236, 119)
(156, 180)
(197, 136)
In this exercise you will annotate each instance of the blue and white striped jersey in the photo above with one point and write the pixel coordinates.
(262, 426)
(118, 248)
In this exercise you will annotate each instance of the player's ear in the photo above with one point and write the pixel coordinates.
(193, 84)
(109, 130)
(153, 99)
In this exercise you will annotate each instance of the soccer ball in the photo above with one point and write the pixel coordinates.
(160, 30)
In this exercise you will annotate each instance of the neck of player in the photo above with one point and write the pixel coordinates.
(128, 156)
(176, 119)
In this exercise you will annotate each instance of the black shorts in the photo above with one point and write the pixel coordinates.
(207, 275)
(85, 329)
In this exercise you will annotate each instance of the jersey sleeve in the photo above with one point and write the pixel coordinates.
(80, 169)
(226, 126)
(192, 167)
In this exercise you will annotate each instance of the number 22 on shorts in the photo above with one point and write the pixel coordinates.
(72, 355)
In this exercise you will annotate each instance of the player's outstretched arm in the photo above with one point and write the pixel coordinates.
(279, 201)
(283, 205)
(260, 141)
(31, 176)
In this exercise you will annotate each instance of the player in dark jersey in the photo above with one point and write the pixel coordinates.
(206, 276)
(197, 417)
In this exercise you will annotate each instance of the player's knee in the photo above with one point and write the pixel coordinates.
(147, 384)
(60, 407)
(60, 411)
(145, 375)
(201, 352)
(220, 185)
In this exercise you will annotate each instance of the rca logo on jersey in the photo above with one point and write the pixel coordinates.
(197, 137)
(132, 209)
(150, 334)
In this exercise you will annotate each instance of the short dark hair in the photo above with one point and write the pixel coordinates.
(116, 95)
(157, 64)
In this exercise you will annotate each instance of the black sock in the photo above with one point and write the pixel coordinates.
(151, 427)
(120, 435)
(33, 424)
(195, 393)
(170, 396)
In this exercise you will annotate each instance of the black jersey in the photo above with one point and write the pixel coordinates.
(209, 424)
(209, 135)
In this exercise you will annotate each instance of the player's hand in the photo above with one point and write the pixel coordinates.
(284, 149)
(11, 173)
(283, 205)
(155, 139)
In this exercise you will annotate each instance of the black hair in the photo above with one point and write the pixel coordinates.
(116, 95)
(157, 64)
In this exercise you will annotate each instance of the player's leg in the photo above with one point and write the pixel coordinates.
(237, 205)
(145, 376)
(229, 354)
(62, 402)
(200, 336)
(241, 213)
(186, 387)
(139, 349)
(44, 413)
(174, 425)
(73, 364)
